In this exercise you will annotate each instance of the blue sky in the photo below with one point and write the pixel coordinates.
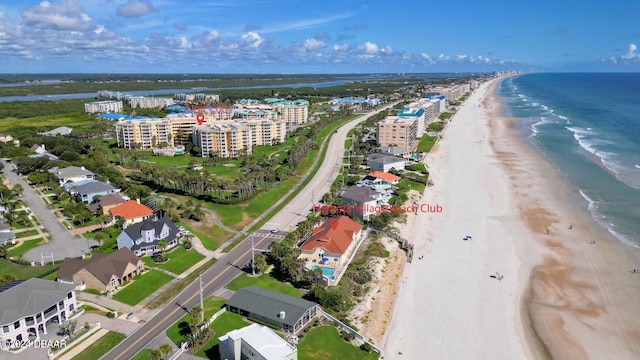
(287, 36)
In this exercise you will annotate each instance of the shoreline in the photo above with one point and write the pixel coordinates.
(562, 297)
(581, 293)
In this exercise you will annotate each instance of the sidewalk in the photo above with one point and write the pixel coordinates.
(82, 345)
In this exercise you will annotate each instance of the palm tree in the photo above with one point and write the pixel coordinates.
(17, 189)
(103, 220)
(162, 244)
(155, 354)
(165, 349)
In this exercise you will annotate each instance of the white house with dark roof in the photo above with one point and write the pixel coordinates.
(61, 130)
(382, 162)
(34, 307)
(255, 342)
(72, 174)
(144, 237)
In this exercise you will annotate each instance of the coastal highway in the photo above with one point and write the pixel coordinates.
(230, 265)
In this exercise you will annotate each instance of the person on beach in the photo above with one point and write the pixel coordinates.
(570, 227)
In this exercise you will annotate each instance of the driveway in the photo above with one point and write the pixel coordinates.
(61, 242)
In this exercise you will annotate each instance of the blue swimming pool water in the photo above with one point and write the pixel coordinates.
(326, 271)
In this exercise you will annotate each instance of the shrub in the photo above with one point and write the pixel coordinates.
(111, 315)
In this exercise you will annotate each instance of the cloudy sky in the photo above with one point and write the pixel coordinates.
(297, 36)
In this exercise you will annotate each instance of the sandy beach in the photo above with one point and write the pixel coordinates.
(568, 294)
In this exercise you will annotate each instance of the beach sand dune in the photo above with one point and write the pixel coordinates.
(561, 295)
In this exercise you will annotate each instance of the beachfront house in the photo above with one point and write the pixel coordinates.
(34, 307)
(144, 237)
(332, 243)
(255, 342)
(380, 181)
(363, 201)
(103, 272)
(383, 162)
(289, 313)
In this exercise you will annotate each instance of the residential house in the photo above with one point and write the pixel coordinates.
(7, 237)
(29, 308)
(144, 237)
(87, 192)
(255, 342)
(103, 272)
(289, 313)
(131, 212)
(332, 243)
(382, 162)
(106, 203)
(380, 181)
(72, 174)
(363, 201)
(38, 149)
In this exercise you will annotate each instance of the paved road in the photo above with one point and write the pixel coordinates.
(61, 243)
(229, 266)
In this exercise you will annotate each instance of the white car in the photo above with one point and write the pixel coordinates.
(275, 230)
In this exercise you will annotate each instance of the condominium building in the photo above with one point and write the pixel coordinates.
(144, 133)
(149, 102)
(266, 132)
(107, 106)
(224, 139)
(398, 131)
(196, 97)
(417, 113)
(291, 112)
(294, 113)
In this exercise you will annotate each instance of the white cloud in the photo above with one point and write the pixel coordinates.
(631, 53)
(252, 39)
(135, 9)
(212, 35)
(65, 15)
(369, 48)
(99, 29)
(387, 50)
(340, 48)
(613, 60)
(461, 57)
(313, 44)
(184, 43)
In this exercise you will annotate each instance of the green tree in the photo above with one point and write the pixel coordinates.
(165, 349)
(155, 354)
(68, 327)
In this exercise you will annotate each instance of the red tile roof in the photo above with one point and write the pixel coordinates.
(384, 176)
(335, 235)
(131, 209)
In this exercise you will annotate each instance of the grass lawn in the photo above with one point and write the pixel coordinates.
(101, 347)
(426, 143)
(26, 233)
(265, 281)
(142, 287)
(51, 276)
(178, 286)
(222, 325)
(91, 309)
(23, 272)
(405, 185)
(211, 306)
(210, 236)
(144, 354)
(324, 342)
(179, 260)
(26, 246)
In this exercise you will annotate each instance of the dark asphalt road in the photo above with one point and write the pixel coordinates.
(216, 277)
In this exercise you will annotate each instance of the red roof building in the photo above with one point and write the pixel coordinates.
(131, 212)
(333, 242)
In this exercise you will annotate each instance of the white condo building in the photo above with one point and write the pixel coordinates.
(107, 106)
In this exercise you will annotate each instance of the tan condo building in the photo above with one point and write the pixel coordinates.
(223, 139)
(398, 131)
(144, 134)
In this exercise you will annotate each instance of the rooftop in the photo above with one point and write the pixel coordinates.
(130, 209)
(262, 339)
(360, 194)
(334, 235)
(269, 304)
(20, 299)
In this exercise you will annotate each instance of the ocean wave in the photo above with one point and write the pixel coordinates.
(562, 117)
(637, 166)
(602, 220)
(582, 137)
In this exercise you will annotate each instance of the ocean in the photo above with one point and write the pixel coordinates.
(588, 126)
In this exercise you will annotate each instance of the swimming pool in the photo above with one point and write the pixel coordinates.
(326, 271)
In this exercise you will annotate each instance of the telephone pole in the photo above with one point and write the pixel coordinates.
(201, 300)
(253, 259)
